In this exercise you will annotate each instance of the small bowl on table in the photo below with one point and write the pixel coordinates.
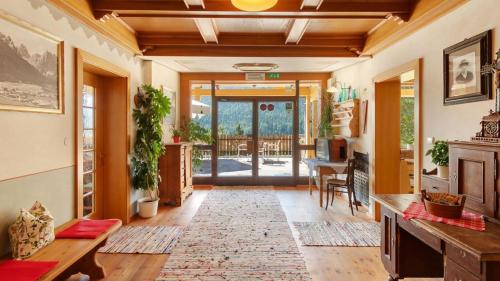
(443, 204)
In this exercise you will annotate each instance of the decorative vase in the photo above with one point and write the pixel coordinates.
(148, 208)
(443, 172)
(176, 139)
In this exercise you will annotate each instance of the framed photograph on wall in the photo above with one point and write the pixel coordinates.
(31, 68)
(462, 62)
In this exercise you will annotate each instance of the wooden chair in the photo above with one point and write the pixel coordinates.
(343, 186)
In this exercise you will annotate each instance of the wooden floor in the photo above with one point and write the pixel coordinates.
(324, 263)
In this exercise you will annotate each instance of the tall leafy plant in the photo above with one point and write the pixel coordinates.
(152, 106)
(325, 123)
(193, 132)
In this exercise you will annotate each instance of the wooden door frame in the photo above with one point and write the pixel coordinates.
(85, 61)
(416, 66)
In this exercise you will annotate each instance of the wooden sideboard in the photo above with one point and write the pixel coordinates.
(419, 248)
(176, 173)
(424, 249)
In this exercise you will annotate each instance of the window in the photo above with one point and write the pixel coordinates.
(88, 150)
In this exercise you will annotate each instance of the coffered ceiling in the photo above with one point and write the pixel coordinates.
(215, 28)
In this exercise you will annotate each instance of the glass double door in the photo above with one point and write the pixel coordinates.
(255, 140)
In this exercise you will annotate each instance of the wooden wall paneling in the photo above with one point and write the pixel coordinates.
(424, 12)
(112, 28)
(386, 142)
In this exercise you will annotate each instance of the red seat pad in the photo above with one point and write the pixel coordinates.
(86, 229)
(24, 270)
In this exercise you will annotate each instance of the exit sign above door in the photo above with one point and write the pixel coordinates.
(273, 76)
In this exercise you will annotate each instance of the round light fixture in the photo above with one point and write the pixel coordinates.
(254, 5)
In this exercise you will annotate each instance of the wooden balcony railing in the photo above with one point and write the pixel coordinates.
(242, 145)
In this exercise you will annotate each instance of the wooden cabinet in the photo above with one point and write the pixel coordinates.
(176, 173)
(473, 172)
(388, 243)
(435, 184)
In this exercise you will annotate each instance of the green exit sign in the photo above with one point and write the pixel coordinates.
(273, 76)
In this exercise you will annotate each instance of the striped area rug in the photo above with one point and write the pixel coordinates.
(143, 240)
(346, 234)
(237, 235)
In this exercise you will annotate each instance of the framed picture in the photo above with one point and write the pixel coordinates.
(463, 81)
(31, 68)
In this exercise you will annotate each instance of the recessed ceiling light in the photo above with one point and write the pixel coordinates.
(255, 67)
(254, 5)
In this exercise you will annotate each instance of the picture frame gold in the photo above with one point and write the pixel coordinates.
(7, 21)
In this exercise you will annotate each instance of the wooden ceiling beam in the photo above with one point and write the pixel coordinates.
(249, 51)
(224, 9)
(151, 40)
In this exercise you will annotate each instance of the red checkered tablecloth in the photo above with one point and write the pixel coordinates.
(468, 219)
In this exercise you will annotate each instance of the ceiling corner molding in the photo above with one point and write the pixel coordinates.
(424, 13)
(112, 28)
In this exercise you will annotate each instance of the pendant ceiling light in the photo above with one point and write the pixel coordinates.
(254, 5)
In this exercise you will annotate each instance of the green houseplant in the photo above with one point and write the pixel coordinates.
(439, 156)
(152, 106)
(325, 129)
(407, 123)
(176, 136)
(193, 132)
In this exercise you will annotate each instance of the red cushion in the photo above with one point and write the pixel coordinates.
(24, 270)
(87, 229)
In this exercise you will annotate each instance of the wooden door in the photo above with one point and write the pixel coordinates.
(472, 172)
(388, 242)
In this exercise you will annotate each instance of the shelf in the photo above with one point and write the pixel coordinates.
(346, 118)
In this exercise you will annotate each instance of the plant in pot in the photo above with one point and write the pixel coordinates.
(325, 125)
(176, 136)
(439, 156)
(194, 132)
(151, 109)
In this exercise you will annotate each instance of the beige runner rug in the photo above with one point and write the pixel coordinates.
(143, 240)
(237, 235)
(334, 234)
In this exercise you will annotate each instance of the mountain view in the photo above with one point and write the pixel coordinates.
(235, 118)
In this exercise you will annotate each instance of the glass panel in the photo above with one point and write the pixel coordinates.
(303, 169)
(310, 93)
(88, 161)
(88, 194)
(88, 183)
(88, 118)
(274, 89)
(205, 168)
(201, 108)
(88, 96)
(235, 138)
(275, 139)
(88, 139)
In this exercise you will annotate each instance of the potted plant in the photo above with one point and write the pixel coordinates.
(325, 125)
(194, 132)
(151, 109)
(176, 136)
(439, 155)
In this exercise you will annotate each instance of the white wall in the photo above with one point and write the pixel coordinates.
(36, 149)
(160, 76)
(442, 122)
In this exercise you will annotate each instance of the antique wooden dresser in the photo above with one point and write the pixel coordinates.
(176, 173)
(424, 249)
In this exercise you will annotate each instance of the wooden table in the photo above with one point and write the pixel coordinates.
(323, 168)
(425, 249)
(74, 255)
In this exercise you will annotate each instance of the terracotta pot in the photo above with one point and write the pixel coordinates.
(176, 139)
(443, 172)
(148, 208)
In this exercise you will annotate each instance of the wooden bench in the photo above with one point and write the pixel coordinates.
(74, 255)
